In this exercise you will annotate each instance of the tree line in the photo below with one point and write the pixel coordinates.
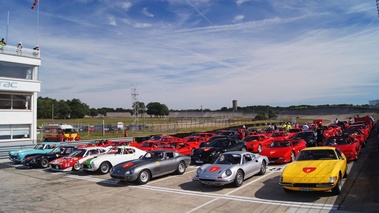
(75, 108)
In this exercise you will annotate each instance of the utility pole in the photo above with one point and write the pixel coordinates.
(135, 108)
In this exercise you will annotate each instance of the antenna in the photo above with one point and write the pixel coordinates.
(135, 107)
(377, 6)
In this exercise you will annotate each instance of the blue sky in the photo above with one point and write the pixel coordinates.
(192, 54)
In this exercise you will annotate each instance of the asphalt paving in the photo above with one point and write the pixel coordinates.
(363, 181)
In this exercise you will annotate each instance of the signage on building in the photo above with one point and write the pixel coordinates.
(8, 84)
(22, 86)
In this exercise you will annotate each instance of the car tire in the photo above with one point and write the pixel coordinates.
(262, 171)
(259, 148)
(143, 177)
(338, 187)
(292, 156)
(104, 168)
(76, 167)
(181, 168)
(238, 180)
(44, 163)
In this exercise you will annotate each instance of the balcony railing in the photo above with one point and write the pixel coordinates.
(13, 50)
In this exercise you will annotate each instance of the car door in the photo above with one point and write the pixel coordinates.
(249, 164)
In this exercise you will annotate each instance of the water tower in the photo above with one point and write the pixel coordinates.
(234, 105)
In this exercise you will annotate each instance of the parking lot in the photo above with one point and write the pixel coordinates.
(41, 190)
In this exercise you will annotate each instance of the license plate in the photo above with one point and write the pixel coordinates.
(305, 189)
(199, 161)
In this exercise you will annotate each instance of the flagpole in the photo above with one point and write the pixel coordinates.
(6, 34)
(37, 22)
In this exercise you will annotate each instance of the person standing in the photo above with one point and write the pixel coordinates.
(305, 127)
(2, 42)
(320, 135)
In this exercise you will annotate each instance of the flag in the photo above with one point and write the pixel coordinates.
(34, 4)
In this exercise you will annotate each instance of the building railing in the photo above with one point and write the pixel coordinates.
(13, 50)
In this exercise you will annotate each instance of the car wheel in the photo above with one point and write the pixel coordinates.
(44, 163)
(181, 168)
(259, 148)
(243, 149)
(239, 178)
(143, 177)
(337, 189)
(292, 156)
(105, 167)
(76, 167)
(263, 168)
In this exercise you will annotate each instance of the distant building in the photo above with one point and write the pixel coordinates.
(374, 103)
(19, 86)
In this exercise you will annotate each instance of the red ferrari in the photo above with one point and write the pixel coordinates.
(283, 151)
(346, 144)
(256, 143)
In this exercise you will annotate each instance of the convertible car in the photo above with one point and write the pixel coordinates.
(308, 136)
(210, 152)
(231, 167)
(316, 169)
(116, 155)
(283, 151)
(18, 156)
(72, 162)
(42, 160)
(153, 164)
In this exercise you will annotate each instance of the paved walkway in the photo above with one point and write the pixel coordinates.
(362, 184)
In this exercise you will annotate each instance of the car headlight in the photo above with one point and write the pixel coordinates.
(332, 179)
(130, 172)
(92, 164)
(228, 172)
(199, 170)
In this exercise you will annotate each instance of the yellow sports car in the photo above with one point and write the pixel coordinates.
(315, 169)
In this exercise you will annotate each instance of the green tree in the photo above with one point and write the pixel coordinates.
(93, 112)
(62, 110)
(78, 109)
(157, 109)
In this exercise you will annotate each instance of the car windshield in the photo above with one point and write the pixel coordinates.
(336, 141)
(70, 131)
(219, 143)
(146, 144)
(192, 139)
(55, 150)
(39, 146)
(278, 134)
(280, 144)
(229, 159)
(78, 153)
(153, 155)
(317, 155)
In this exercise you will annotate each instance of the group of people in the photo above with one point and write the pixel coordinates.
(19, 46)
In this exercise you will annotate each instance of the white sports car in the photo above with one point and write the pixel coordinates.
(231, 167)
(116, 155)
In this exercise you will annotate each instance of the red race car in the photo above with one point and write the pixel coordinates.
(337, 128)
(346, 144)
(357, 134)
(104, 143)
(283, 151)
(152, 145)
(72, 162)
(194, 141)
(205, 135)
(255, 143)
(281, 135)
(182, 147)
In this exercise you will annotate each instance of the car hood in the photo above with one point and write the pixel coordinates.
(65, 159)
(309, 169)
(275, 151)
(214, 170)
(27, 151)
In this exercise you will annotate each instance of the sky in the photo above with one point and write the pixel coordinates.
(201, 54)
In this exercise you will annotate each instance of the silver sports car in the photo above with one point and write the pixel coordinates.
(231, 167)
(153, 164)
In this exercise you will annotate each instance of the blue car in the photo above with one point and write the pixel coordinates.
(18, 156)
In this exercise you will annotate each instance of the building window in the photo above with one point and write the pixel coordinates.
(12, 70)
(13, 101)
(20, 131)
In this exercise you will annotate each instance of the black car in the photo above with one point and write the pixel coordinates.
(210, 152)
(44, 159)
(308, 136)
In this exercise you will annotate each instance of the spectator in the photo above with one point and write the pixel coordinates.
(19, 48)
(320, 135)
(2, 42)
(305, 127)
(336, 121)
(36, 47)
